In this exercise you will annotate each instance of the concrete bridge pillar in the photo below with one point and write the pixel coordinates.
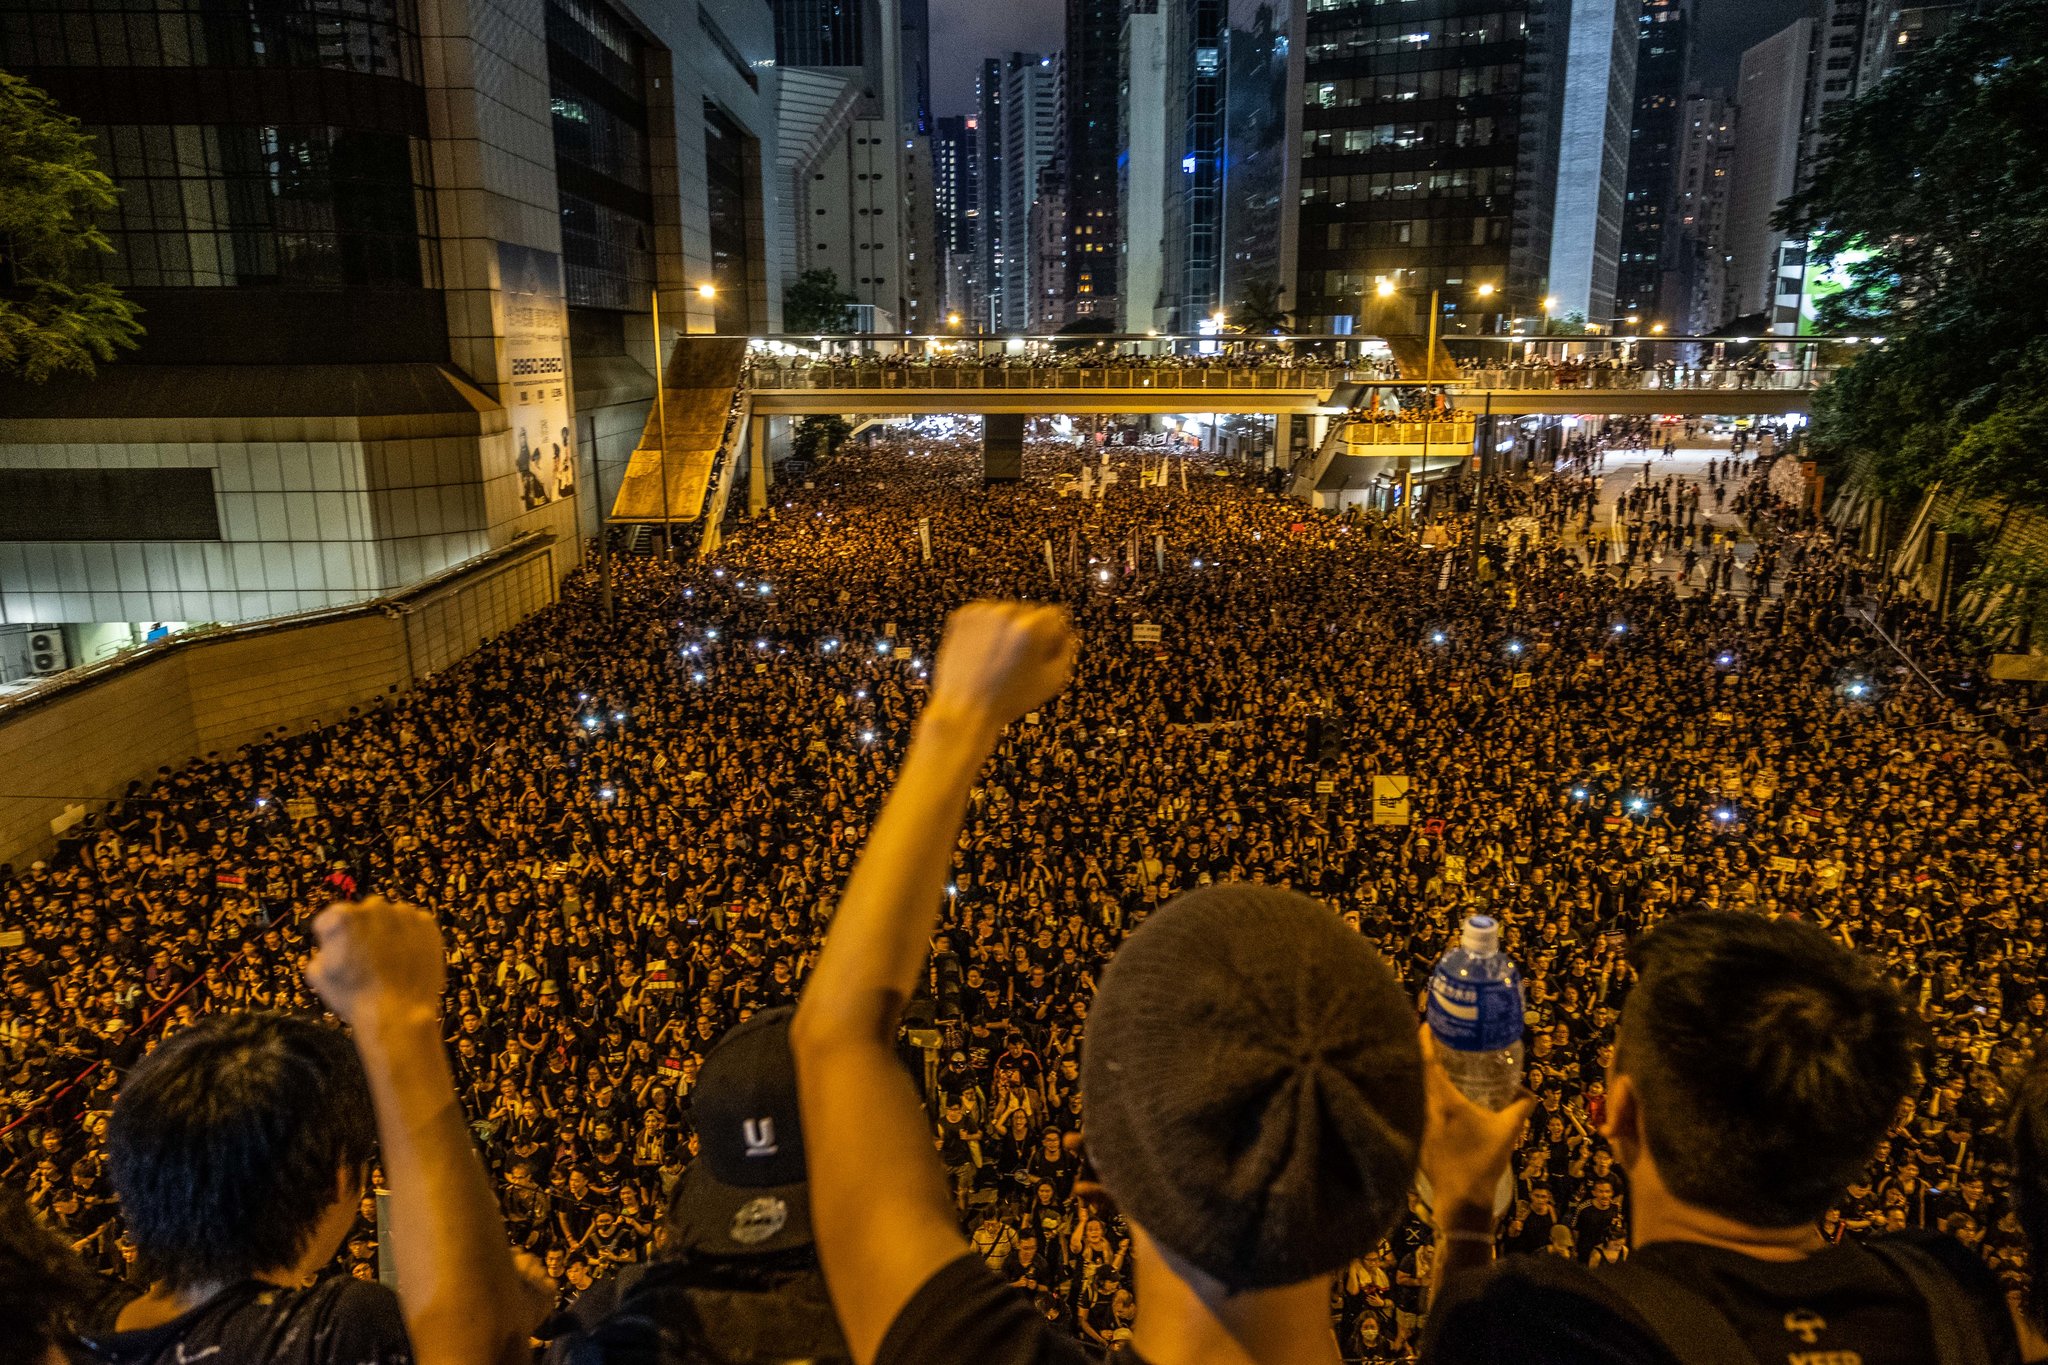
(1002, 447)
(757, 466)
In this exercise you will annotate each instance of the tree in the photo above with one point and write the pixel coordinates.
(1258, 308)
(813, 302)
(1930, 209)
(51, 318)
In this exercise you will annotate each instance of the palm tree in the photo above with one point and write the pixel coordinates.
(1258, 308)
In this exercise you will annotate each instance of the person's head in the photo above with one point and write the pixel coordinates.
(41, 1285)
(1254, 1088)
(1759, 1065)
(238, 1148)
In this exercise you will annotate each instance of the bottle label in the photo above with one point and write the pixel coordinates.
(1475, 1016)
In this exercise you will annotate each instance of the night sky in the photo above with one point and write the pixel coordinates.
(965, 31)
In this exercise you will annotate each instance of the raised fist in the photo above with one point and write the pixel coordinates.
(378, 961)
(1002, 659)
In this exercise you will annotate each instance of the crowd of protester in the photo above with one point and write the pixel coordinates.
(634, 831)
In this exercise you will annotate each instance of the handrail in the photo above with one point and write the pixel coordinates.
(722, 474)
(967, 378)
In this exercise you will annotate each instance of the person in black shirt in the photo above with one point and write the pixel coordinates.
(42, 1286)
(239, 1149)
(1759, 1065)
(1254, 1099)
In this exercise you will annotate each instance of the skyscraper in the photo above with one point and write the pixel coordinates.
(821, 33)
(1699, 297)
(1412, 132)
(1093, 143)
(989, 247)
(1649, 243)
(1031, 142)
(1144, 167)
(1195, 133)
(1593, 156)
(1770, 94)
(956, 185)
(1255, 154)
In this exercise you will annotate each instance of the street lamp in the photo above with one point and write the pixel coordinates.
(707, 291)
(1386, 289)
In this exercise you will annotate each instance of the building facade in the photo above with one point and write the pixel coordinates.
(1591, 178)
(956, 187)
(1092, 145)
(1142, 172)
(1256, 155)
(1766, 169)
(1700, 301)
(398, 258)
(1029, 137)
(1195, 126)
(1413, 138)
(1646, 286)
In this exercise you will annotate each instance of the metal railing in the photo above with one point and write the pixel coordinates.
(1119, 378)
(1270, 378)
(1446, 434)
(1670, 379)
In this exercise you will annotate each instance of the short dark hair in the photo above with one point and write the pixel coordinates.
(1770, 1060)
(226, 1142)
(42, 1285)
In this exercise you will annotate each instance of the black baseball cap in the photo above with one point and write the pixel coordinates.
(746, 1193)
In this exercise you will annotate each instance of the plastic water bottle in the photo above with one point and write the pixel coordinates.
(1475, 1012)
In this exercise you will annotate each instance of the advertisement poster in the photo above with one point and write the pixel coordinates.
(536, 392)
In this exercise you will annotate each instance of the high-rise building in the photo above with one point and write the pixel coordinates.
(1195, 85)
(1412, 138)
(1030, 140)
(1143, 169)
(397, 276)
(1766, 169)
(989, 249)
(822, 33)
(956, 185)
(1093, 144)
(1649, 240)
(916, 46)
(1256, 154)
(1591, 178)
(865, 211)
(1698, 295)
(1906, 29)
(1050, 243)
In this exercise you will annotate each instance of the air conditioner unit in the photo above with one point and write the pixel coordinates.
(46, 652)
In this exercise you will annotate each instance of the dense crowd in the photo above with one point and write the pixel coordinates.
(634, 831)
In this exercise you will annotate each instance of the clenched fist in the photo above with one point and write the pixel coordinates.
(378, 962)
(1001, 659)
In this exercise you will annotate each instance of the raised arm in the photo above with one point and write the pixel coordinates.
(379, 966)
(879, 1205)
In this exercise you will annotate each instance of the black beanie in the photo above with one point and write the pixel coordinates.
(1252, 1086)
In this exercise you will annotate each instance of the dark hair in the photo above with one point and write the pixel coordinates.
(42, 1285)
(2027, 1133)
(226, 1143)
(1770, 1060)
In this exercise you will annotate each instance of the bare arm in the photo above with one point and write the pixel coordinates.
(879, 1205)
(379, 967)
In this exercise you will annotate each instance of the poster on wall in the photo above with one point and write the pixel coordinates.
(536, 391)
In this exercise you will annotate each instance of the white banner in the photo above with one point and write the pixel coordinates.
(1144, 633)
(1159, 551)
(1390, 800)
(924, 536)
(536, 388)
(1051, 568)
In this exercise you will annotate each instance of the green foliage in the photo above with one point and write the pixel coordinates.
(1936, 172)
(1570, 325)
(52, 320)
(817, 437)
(813, 302)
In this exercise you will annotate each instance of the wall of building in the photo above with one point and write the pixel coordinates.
(1142, 170)
(1592, 157)
(101, 729)
(1770, 94)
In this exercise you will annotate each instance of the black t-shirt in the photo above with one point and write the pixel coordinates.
(965, 1315)
(341, 1321)
(1839, 1304)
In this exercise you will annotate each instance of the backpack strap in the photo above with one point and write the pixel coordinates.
(1954, 1316)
